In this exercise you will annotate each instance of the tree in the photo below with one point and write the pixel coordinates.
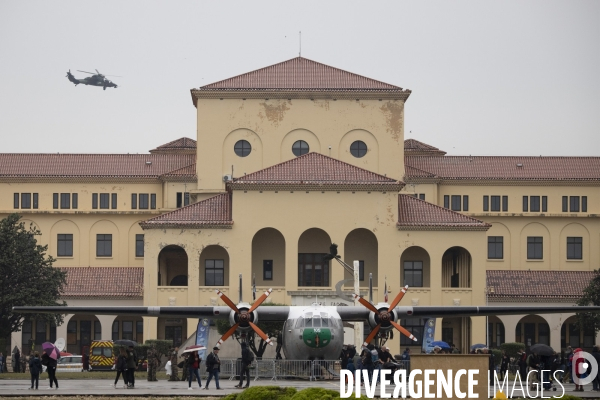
(27, 277)
(591, 297)
(271, 329)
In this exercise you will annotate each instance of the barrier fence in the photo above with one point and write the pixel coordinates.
(285, 369)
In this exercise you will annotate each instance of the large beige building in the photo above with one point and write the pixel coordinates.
(289, 159)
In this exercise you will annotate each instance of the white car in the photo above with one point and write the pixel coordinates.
(70, 364)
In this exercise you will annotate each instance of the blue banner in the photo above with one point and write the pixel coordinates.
(428, 335)
(202, 336)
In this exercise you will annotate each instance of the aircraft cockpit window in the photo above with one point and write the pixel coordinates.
(316, 322)
(300, 322)
(308, 322)
(324, 322)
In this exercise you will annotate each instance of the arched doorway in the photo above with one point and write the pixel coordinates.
(415, 267)
(532, 329)
(571, 334)
(214, 266)
(172, 262)
(313, 245)
(457, 331)
(495, 331)
(361, 244)
(268, 257)
(81, 330)
(456, 268)
(174, 329)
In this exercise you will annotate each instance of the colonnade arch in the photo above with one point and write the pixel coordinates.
(456, 268)
(361, 244)
(415, 267)
(268, 257)
(172, 266)
(313, 244)
(214, 266)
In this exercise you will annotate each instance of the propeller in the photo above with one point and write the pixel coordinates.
(385, 317)
(243, 317)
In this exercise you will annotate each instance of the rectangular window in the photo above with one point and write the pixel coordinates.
(74, 200)
(446, 201)
(583, 204)
(413, 273)
(465, 203)
(153, 201)
(143, 205)
(268, 270)
(361, 270)
(127, 330)
(565, 203)
(422, 196)
(72, 332)
(55, 201)
(312, 270)
(35, 200)
(525, 203)
(535, 247)
(16, 201)
(25, 200)
(414, 326)
(574, 248)
(139, 331)
(544, 203)
(97, 330)
(104, 198)
(504, 203)
(495, 203)
(113, 201)
(65, 200)
(214, 272)
(139, 245)
(103, 245)
(486, 203)
(115, 330)
(455, 203)
(133, 201)
(574, 203)
(94, 200)
(174, 333)
(65, 245)
(495, 247)
(186, 199)
(179, 199)
(534, 204)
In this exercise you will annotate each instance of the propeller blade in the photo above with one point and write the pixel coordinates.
(403, 331)
(260, 333)
(398, 298)
(259, 301)
(372, 335)
(86, 72)
(366, 303)
(227, 334)
(227, 301)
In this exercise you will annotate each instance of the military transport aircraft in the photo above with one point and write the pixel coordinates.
(96, 79)
(311, 332)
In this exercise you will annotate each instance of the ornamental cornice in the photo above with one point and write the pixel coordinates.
(286, 94)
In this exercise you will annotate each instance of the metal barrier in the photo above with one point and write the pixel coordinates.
(264, 369)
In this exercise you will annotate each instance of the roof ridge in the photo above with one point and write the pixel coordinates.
(443, 209)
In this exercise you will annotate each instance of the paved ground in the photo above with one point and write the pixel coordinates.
(91, 387)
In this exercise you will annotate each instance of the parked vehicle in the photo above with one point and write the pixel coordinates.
(70, 364)
(101, 355)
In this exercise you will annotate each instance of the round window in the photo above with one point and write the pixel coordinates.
(242, 148)
(358, 149)
(300, 147)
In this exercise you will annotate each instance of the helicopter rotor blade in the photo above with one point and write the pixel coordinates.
(227, 334)
(259, 301)
(227, 301)
(86, 72)
(260, 333)
(372, 335)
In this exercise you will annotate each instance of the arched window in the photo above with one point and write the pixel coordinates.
(179, 280)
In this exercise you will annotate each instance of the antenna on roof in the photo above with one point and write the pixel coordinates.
(300, 52)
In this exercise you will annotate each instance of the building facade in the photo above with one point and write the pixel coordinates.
(289, 159)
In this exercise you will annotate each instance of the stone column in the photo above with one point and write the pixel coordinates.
(150, 328)
(106, 322)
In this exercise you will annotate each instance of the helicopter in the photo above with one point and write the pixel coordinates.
(96, 79)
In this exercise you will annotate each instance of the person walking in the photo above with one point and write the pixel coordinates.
(35, 368)
(213, 367)
(504, 363)
(174, 367)
(131, 366)
(247, 359)
(16, 359)
(152, 363)
(192, 363)
(121, 367)
(1, 363)
(50, 364)
(522, 363)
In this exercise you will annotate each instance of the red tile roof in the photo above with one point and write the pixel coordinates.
(315, 171)
(506, 168)
(145, 166)
(214, 212)
(301, 75)
(515, 285)
(176, 145)
(187, 173)
(414, 147)
(415, 214)
(104, 282)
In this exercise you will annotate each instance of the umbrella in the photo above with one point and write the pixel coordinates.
(542, 349)
(440, 344)
(125, 342)
(478, 346)
(191, 349)
(51, 350)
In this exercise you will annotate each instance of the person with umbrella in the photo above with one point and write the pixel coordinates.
(121, 367)
(49, 359)
(192, 363)
(131, 366)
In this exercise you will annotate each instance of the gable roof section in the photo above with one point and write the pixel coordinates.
(90, 166)
(100, 283)
(315, 171)
(419, 215)
(414, 147)
(507, 168)
(185, 174)
(214, 212)
(556, 286)
(300, 75)
(181, 144)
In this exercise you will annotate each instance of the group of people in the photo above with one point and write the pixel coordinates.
(125, 366)
(36, 364)
(371, 358)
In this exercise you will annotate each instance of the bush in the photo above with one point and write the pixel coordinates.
(497, 356)
(319, 393)
(266, 393)
(511, 349)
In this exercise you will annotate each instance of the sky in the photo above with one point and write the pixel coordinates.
(487, 78)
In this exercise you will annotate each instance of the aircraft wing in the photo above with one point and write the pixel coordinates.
(474, 311)
(217, 312)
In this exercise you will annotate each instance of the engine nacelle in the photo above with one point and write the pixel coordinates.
(243, 317)
(383, 318)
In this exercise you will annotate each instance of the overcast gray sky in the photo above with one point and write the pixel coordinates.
(488, 77)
